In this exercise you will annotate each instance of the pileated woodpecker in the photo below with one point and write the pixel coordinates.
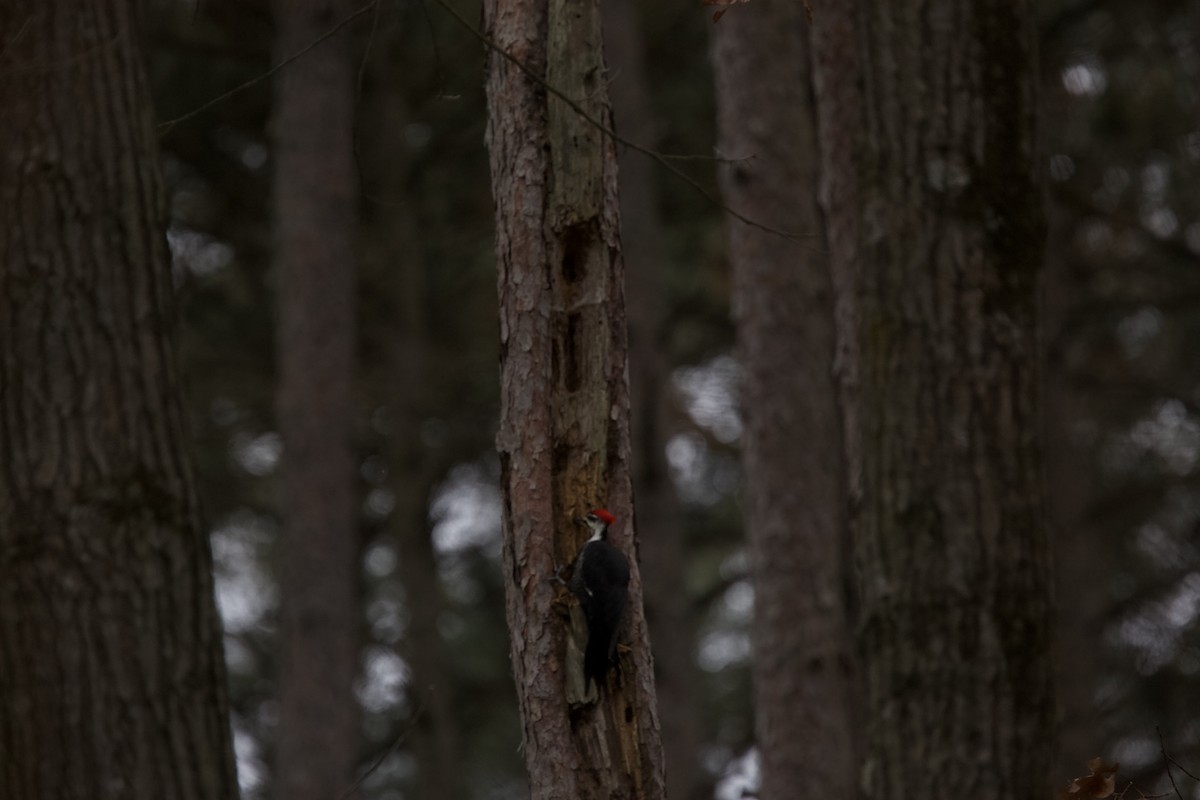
(601, 582)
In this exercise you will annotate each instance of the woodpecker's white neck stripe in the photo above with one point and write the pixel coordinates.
(599, 529)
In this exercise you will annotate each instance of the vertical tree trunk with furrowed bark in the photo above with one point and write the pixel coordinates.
(935, 222)
(112, 681)
(315, 221)
(564, 430)
(791, 446)
(663, 550)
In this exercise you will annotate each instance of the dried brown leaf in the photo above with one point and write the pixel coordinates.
(1101, 783)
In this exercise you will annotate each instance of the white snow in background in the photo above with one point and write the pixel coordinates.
(258, 455)
(1156, 629)
(1084, 80)
(1161, 221)
(1171, 434)
(1135, 752)
(378, 503)
(742, 777)
(687, 456)
(197, 253)
(246, 593)
(466, 512)
(384, 677)
(380, 559)
(739, 600)
(727, 643)
(386, 618)
(710, 396)
(251, 768)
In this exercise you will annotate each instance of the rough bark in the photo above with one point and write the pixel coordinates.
(926, 124)
(112, 680)
(315, 221)
(664, 555)
(791, 445)
(564, 430)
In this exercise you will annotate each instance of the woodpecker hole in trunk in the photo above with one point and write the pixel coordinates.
(575, 240)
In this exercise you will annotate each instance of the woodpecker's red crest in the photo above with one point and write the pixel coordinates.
(604, 516)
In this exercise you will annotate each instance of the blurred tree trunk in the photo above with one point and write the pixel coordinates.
(315, 207)
(411, 374)
(564, 429)
(936, 228)
(663, 551)
(112, 680)
(791, 447)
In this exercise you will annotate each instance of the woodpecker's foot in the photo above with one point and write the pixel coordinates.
(557, 578)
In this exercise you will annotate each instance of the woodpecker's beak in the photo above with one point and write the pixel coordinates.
(581, 521)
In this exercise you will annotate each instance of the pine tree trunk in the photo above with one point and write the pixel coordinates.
(564, 430)
(315, 206)
(936, 232)
(112, 680)
(663, 551)
(791, 445)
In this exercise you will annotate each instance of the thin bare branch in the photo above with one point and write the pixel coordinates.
(395, 745)
(165, 128)
(663, 160)
(1162, 748)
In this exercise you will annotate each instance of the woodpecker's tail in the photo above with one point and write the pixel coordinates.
(596, 658)
(604, 624)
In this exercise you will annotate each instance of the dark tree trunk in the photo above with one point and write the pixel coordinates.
(410, 381)
(936, 229)
(564, 430)
(315, 221)
(663, 551)
(791, 446)
(112, 681)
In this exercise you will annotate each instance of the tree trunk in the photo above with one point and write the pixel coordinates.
(409, 385)
(315, 206)
(112, 680)
(564, 429)
(663, 550)
(935, 221)
(791, 445)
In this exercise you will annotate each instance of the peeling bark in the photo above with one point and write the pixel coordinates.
(564, 431)
(112, 680)
(932, 191)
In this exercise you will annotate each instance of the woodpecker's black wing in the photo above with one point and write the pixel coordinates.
(601, 583)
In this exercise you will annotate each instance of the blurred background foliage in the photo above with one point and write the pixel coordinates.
(1122, 299)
